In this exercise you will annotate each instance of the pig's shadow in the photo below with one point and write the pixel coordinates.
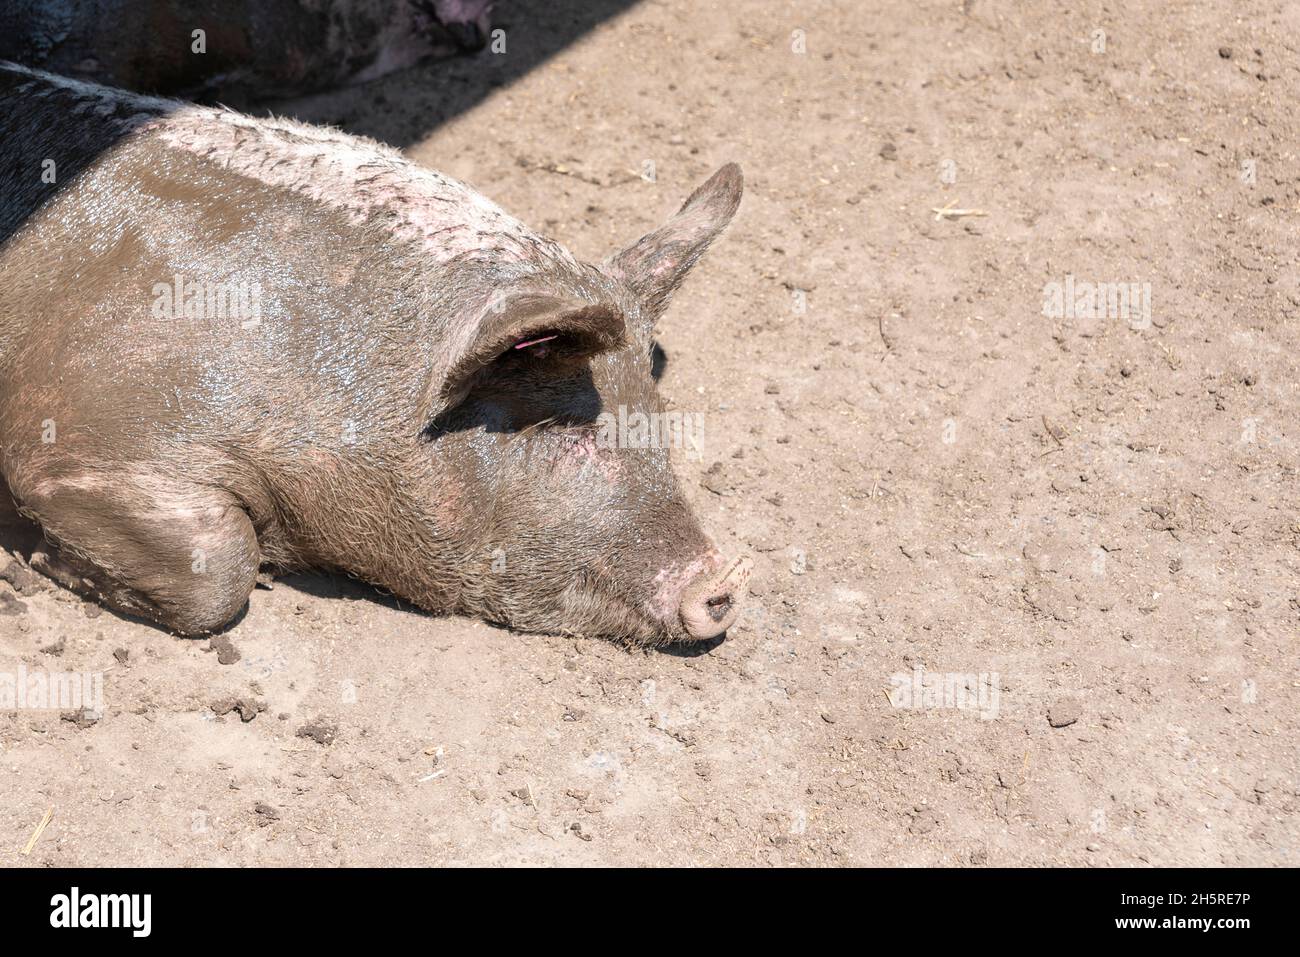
(343, 588)
(658, 361)
(695, 649)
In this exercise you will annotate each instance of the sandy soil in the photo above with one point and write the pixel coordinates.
(1093, 519)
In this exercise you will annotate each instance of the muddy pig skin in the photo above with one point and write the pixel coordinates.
(249, 48)
(229, 343)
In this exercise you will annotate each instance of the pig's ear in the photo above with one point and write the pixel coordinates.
(544, 330)
(655, 265)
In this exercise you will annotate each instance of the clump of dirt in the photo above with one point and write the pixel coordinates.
(319, 731)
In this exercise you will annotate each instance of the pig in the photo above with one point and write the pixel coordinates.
(396, 380)
(249, 49)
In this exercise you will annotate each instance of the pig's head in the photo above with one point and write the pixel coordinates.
(561, 517)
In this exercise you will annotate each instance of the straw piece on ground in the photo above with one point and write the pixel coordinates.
(40, 829)
(949, 211)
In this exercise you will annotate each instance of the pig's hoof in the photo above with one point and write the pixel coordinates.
(47, 561)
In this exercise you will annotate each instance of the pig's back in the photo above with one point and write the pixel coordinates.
(92, 331)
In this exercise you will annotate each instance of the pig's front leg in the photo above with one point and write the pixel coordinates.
(186, 558)
(78, 575)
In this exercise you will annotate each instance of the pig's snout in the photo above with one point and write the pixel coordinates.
(711, 602)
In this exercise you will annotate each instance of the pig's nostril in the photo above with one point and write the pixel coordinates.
(718, 607)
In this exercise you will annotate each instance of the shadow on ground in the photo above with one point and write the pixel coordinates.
(534, 31)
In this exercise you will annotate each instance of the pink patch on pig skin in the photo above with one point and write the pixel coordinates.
(450, 510)
(582, 450)
(673, 580)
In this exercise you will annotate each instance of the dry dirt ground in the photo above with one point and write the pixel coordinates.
(1093, 520)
